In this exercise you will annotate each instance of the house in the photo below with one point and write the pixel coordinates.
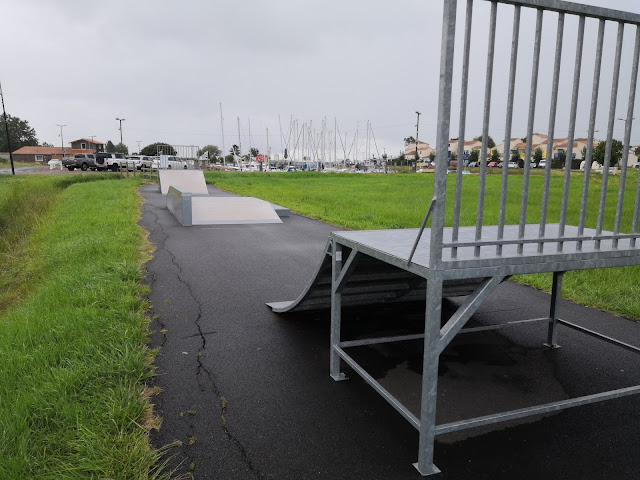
(44, 154)
(424, 150)
(86, 144)
(468, 147)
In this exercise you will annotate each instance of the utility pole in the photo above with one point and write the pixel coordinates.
(224, 153)
(120, 120)
(139, 142)
(61, 140)
(6, 127)
(268, 155)
(417, 133)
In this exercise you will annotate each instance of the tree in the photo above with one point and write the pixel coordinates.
(495, 156)
(515, 155)
(584, 153)
(616, 152)
(537, 155)
(110, 147)
(121, 148)
(490, 144)
(474, 156)
(45, 144)
(152, 149)
(228, 159)
(432, 156)
(409, 140)
(636, 151)
(214, 151)
(20, 134)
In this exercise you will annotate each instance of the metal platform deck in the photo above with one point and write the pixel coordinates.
(399, 265)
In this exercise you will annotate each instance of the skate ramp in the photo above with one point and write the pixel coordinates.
(372, 283)
(189, 180)
(232, 211)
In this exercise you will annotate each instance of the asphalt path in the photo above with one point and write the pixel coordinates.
(246, 393)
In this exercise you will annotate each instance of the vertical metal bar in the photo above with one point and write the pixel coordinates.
(636, 206)
(336, 312)
(515, 39)
(592, 127)
(552, 126)
(612, 119)
(444, 121)
(532, 112)
(463, 120)
(556, 293)
(571, 136)
(485, 124)
(627, 137)
(433, 313)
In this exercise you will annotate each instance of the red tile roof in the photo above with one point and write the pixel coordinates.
(38, 151)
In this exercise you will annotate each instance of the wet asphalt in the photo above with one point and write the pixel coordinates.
(246, 393)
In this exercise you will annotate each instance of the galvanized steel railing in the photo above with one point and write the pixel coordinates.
(562, 9)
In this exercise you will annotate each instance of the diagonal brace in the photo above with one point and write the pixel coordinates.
(466, 311)
(346, 271)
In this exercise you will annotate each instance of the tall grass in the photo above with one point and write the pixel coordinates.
(400, 201)
(73, 331)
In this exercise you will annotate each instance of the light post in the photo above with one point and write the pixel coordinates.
(417, 133)
(6, 127)
(139, 142)
(61, 141)
(120, 120)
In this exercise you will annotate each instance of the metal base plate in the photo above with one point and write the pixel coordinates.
(434, 470)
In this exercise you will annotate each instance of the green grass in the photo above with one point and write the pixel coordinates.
(6, 163)
(400, 201)
(73, 330)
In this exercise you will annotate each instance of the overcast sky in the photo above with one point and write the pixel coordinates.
(166, 66)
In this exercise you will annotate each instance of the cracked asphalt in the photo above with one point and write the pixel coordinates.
(246, 393)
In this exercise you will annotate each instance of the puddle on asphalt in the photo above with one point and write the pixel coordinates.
(479, 373)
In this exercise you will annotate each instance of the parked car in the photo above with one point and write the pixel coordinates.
(542, 163)
(513, 165)
(138, 161)
(493, 164)
(171, 161)
(473, 165)
(111, 161)
(83, 161)
(69, 162)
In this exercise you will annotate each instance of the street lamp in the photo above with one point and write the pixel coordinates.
(120, 120)
(417, 133)
(61, 140)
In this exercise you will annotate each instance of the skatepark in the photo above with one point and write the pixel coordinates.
(251, 388)
(415, 327)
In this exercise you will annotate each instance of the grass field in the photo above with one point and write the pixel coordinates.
(73, 330)
(400, 201)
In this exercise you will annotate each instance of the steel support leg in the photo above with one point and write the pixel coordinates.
(556, 293)
(336, 312)
(431, 357)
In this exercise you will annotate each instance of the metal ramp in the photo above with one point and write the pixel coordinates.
(190, 180)
(373, 282)
(480, 257)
